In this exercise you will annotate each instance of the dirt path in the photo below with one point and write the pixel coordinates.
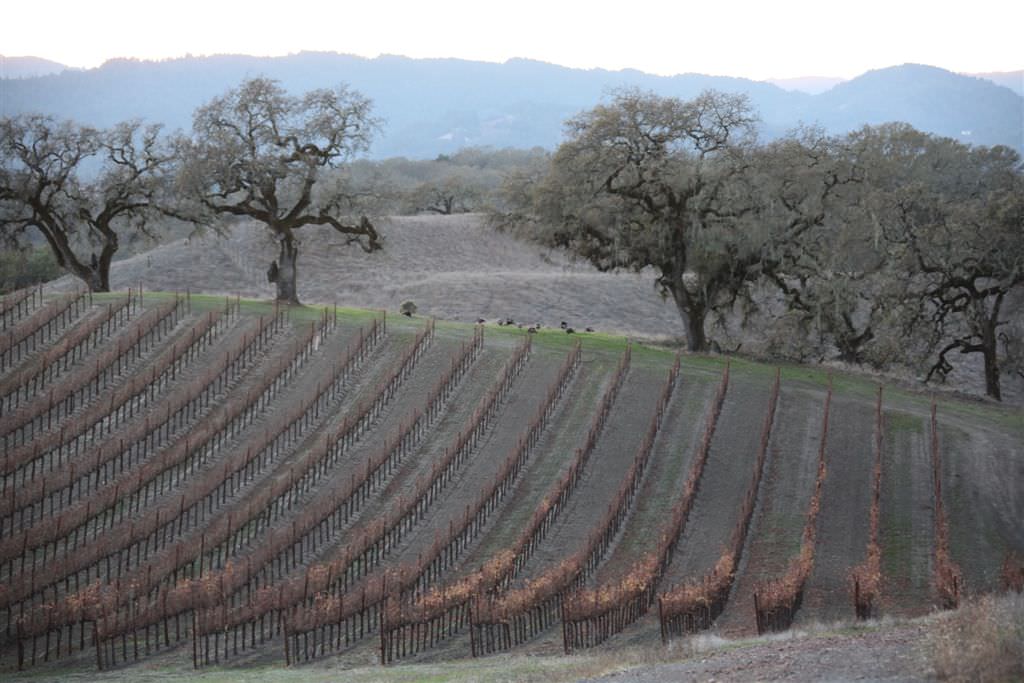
(478, 474)
(671, 459)
(844, 519)
(891, 654)
(604, 474)
(983, 493)
(907, 513)
(460, 407)
(782, 507)
(566, 431)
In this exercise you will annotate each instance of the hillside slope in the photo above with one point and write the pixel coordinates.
(453, 268)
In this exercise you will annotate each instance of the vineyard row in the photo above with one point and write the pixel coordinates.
(695, 604)
(41, 327)
(69, 350)
(18, 304)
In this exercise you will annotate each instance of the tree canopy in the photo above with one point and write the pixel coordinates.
(80, 188)
(647, 181)
(953, 216)
(257, 152)
(882, 245)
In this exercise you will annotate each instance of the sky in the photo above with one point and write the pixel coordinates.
(757, 39)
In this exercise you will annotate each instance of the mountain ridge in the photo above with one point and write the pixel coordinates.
(436, 106)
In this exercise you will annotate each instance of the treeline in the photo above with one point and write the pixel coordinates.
(254, 153)
(885, 247)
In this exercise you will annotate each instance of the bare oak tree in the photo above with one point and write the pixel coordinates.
(822, 256)
(963, 224)
(650, 181)
(955, 215)
(257, 152)
(456, 192)
(80, 188)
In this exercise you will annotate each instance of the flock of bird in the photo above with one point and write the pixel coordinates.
(505, 322)
(532, 329)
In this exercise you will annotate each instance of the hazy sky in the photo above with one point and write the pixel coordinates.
(751, 38)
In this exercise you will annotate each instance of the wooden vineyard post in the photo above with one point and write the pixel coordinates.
(383, 629)
(565, 628)
(287, 644)
(661, 619)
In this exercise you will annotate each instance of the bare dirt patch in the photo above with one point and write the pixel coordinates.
(671, 459)
(843, 522)
(781, 511)
(907, 533)
(603, 476)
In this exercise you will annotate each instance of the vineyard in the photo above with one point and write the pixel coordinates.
(202, 481)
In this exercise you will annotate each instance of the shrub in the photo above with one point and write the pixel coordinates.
(26, 268)
(982, 641)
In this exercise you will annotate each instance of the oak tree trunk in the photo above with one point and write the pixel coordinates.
(95, 274)
(286, 273)
(989, 353)
(692, 312)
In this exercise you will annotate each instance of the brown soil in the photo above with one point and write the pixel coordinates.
(981, 475)
(844, 519)
(778, 523)
(604, 474)
(907, 512)
(671, 460)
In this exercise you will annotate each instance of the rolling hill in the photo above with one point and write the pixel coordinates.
(451, 267)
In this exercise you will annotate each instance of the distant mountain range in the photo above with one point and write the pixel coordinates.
(28, 67)
(436, 106)
(812, 85)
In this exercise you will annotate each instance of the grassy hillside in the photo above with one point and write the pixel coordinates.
(454, 268)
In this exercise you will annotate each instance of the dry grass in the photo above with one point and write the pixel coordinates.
(982, 641)
(1011, 574)
(452, 267)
